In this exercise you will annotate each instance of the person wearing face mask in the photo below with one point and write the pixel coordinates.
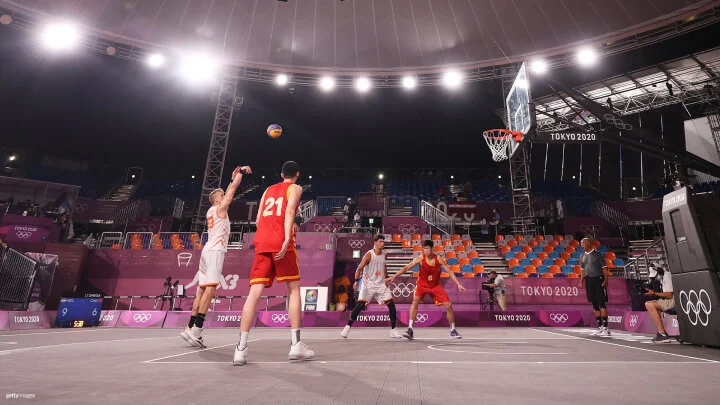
(662, 301)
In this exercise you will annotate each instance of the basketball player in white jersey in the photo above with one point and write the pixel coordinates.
(374, 271)
(212, 256)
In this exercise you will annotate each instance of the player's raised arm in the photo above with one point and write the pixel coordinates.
(407, 267)
(445, 267)
(237, 175)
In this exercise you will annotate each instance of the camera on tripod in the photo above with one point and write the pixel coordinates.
(653, 284)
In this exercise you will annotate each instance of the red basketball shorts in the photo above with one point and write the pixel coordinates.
(265, 268)
(437, 292)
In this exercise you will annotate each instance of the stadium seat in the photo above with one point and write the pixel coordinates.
(416, 236)
(543, 256)
(437, 249)
(518, 269)
(546, 275)
(559, 249)
(397, 238)
(467, 242)
(469, 275)
(521, 255)
(521, 275)
(526, 249)
(499, 238)
(554, 269)
(619, 263)
(513, 262)
(475, 260)
(451, 255)
(447, 242)
(572, 262)
(575, 255)
(577, 269)
(559, 275)
(537, 262)
(602, 249)
(466, 268)
(542, 269)
(519, 237)
(532, 255)
(565, 256)
(417, 248)
(452, 261)
(560, 262)
(532, 243)
(567, 269)
(538, 249)
(455, 268)
(460, 248)
(478, 269)
(554, 255)
(466, 237)
(464, 261)
(407, 244)
(473, 254)
(610, 255)
(548, 262)
(512, 243)
(595, 244)
(525, 262)
(609, 263)
(435, 236)
(509, 255)
(530, 270)
(505, 249)
(572, 275)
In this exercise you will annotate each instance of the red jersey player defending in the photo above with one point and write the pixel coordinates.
(429, 283)
(276, 256)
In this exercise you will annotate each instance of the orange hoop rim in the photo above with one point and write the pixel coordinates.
(506, 133)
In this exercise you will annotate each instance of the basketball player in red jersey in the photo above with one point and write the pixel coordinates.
(212, 256)
(276, 256)
(429, 283)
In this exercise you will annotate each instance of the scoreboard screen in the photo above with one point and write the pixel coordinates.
(78, 312)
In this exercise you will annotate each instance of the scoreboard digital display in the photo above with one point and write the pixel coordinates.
(78, 312)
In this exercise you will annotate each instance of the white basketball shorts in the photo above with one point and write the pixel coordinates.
(380, 293)
(211, 264)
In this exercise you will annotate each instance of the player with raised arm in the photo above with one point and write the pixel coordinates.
(429, 283)
(374, 273)
(276, 256)
(212, 256)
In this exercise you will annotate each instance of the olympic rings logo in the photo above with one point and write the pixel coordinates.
(420, 318)
(402, 289)
(408, 228)
(559, 318)
(280, 318)
(356, 243)
(693, 305)
(142, 318)
(633, 320)
(322, 228)
(23, 234)
(617, 122)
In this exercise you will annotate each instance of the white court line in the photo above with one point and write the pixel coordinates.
(8, 343)
(431, 347)
(633, 347)
(24, 349)
(50, 333)
(195, 351)
(315, 361)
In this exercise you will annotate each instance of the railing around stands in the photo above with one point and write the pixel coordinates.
(326, 204)
(635, 264)
(162, 240)
(160, 300)
(17, 274)
(308, 211)
(361, 230)
(137, 240)
(234, 242)
(109, 239)
(610, 214)
(437, 218)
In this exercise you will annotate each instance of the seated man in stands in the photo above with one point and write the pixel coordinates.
(663, 301)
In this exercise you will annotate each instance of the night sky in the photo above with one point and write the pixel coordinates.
(98, 108)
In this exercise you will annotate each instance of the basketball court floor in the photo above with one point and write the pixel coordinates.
(489, 365)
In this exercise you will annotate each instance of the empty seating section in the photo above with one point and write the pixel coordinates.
(548, 256)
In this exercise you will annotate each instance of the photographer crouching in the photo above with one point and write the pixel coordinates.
(659, 288)
(495, 286)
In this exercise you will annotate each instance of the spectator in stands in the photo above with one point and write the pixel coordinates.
(663, 301)
(495, 219)
(357, 219)
(497, 283)
(484, 229)
(560, 217)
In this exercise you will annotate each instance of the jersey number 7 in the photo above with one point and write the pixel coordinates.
(269, 202)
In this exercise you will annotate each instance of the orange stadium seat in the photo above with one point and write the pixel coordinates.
(455, 237)
(513, 262)
(450, 255)
(407, 244)
(521, 275)
(520, 255)
(546, 275)
(397, 238)
(573, 275)
(464, 260)
(499, 238)
(530, 270)
(543, 255)
(467, 242)
(416, 236)
(610, 255)
(459, 248)
(472, 255)
(537, 262)
(436, 236)
(417, 248)
(577, 269)
(555, 269)
(437, 249)
(505, 249)
(560, 262)
(478, 268)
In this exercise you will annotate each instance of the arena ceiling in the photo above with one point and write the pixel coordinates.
(372, 36)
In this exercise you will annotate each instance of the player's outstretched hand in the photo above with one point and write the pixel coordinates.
(461, 288)
(390, 280)
(246, 169)
(235, 173)
(282, 251)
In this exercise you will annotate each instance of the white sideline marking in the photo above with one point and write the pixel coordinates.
(196, 351)
(24, 349)
(285, 363)
(8, 343)
(633, 347)
(50, 333)
(432, 347)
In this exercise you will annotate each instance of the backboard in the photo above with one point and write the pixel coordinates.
(517, 107)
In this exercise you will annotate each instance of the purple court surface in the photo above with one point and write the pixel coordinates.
(489, 365)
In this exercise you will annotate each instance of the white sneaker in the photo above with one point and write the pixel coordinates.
(195, 335)
(598, 332)
(240, 357)
(186, 336)
(605, 332)
(300, 351)
(345, 331)
(395, 334)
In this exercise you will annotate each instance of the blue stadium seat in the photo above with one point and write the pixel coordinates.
(518, 269)
(559, 249)
(532, 255)
(619, 262)
(538, 249)
(516, 249)
(509, 255)
(572, 262)
(453, 261)
(567, 269)
(548, 262)
(543, 269)
(559, 275)
(575, 255)
(579, 249)
(533, 275)
(466, 268)
(554, 255)
(475, 261)
(525, 262)
(603, 249)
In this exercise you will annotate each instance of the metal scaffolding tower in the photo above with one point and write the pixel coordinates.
(227, 101)
(523, 221)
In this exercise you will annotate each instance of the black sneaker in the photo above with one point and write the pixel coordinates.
(408, 334)
(661, 338)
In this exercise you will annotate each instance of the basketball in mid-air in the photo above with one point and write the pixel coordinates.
(274, 131)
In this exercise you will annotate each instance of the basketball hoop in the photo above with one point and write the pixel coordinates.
(498, 140)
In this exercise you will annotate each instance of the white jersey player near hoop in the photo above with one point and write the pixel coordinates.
(374, 273)
(212, 256)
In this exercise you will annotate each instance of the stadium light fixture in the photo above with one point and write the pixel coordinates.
(452, 79)
(539, 66)
(381, 176)
(282, 79)
(60, 37)
(192, 177)
(310, 177)
(499, 176)
(199, 68)
(12, 158)
(409, 82)
(6, 19)
(156, 60)
(587, 57)
(327, 83)
(362, 84)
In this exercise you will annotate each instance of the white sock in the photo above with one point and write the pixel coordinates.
(243, 340)
(410, 323)
(295, 335)
(452, 326)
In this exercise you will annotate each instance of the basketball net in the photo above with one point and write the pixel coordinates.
(498, 140)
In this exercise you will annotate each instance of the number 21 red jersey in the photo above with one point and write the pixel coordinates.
(270, 232)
